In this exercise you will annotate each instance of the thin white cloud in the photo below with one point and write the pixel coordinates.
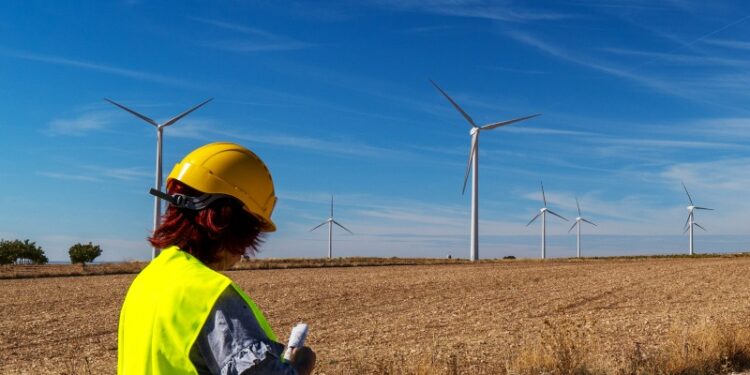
(680, 59)
(492, 10)
(402, 215)
(428, 29)
(317, 144)
(198, 128)
(623, 5)
(515, 70)
(714, 175)
(86, 65)
(82, 124)
(98, 173)
(670, 143)
(714, 32)
(262, 40)
(121, 173)
(717, 131)
(370, 215)
(575, 59)
(253, 46)
(69, 176)
(693, 42)
(702, 88)
(728, 128)
(236, 27)
(731, 44)
(548, 131)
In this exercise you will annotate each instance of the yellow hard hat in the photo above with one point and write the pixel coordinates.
(230, 169)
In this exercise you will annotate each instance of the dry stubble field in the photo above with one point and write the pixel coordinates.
(463, 318)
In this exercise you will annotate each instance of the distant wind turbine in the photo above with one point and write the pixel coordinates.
(579, 219)
(330, 223)
(690, 222)
(159, 134)
(473, 165)
(543, 213)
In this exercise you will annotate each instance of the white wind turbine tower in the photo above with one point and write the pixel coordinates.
(159, 135)
(579, 219)
(473, 165)
(543, 213)
(330, 223)
(690, 222)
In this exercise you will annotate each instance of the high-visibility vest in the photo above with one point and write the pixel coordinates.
(164, 311)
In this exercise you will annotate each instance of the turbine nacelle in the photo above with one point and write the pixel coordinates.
(474, 130)
(578, 222)
(544, 210)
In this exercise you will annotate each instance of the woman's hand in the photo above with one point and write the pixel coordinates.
(303, 360)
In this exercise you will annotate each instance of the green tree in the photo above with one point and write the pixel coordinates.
(12, 251)
(84, 253)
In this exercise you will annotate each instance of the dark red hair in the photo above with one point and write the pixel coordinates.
(224, 224)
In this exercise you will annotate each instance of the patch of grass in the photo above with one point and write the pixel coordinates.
(565, 348)
(704, 348)
(560, 349)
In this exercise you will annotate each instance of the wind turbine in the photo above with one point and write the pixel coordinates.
(579, 219)
(159, 135)
(543, 213)
(330, 223)
(473, 165)
(690, 222)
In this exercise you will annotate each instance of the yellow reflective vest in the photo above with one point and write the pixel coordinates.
(164, 311)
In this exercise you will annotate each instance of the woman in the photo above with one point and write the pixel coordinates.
(181, 315)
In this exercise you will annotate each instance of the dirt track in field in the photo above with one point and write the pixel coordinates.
(371, 314)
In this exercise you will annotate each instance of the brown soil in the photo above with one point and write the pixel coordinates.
(359, 317)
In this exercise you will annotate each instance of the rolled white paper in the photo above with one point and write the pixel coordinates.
(296, 339)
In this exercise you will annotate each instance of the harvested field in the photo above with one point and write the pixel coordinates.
(609, 316)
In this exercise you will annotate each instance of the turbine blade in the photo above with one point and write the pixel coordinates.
(687, 221)
(700, 226)
(342, 227)
(544, 198)
(688, 194)
(331, 205)
(535, 217)
(703, 208)
(472, 150)
(319, 225)
(589, 222)
(455, 105)
(553, 213)
(134, 113)
(574, 225)
(685, 231)
(183, 114)
(508, 122)
(579, 207)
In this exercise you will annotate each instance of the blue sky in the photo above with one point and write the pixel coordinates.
(636, 96)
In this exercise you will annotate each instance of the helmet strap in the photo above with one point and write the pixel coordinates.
(185, 201)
